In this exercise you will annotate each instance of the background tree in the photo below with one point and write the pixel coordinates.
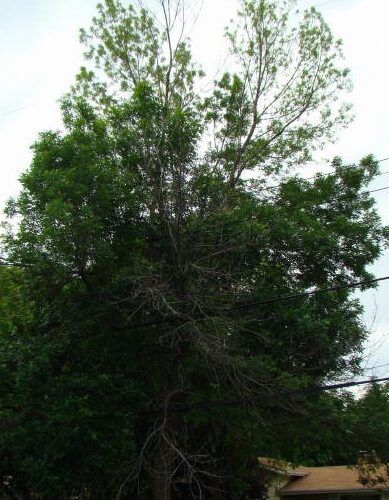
(157, 351)
(370, 421)
(335, 429)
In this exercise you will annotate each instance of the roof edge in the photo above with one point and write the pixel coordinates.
(283, 493)
(281, 467)
(296, 473)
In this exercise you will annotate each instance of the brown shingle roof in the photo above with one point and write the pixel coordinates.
(281, 467)
(339, 478)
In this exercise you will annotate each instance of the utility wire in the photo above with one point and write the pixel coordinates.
(372, 368)
(248, 305)
(343, 385)
(12, 111)
(328, 174)
(323, 4)
(277, 299)
(268, 188)
(285, 298)
(247, 402)
(376, 190)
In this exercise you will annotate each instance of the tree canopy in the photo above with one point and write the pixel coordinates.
(145, 346)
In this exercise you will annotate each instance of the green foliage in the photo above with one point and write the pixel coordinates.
(143, 352)
(370, 423)
(279, 104)
(334, 429)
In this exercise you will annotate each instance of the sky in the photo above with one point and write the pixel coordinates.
(40, 55)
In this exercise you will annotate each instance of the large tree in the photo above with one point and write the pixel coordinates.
(154, 249)
(369, 421)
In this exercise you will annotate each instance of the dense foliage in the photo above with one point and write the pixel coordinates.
(334, 429)
(144, 346)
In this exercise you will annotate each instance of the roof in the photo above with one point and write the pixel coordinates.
(281, 467)
(334, 479)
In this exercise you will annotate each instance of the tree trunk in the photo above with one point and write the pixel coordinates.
(161, 487)
(162, 473)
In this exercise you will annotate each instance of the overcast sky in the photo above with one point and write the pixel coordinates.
(40, 54)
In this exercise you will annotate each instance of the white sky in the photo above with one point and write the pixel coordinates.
(40, 54)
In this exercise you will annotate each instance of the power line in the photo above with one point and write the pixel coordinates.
(324, 3)
(328, 174)
(7, 263)
(240, 307)
(268, 188)
(372, 368)
(12, 111)
(247, 402)
(376, 190)
(308, 294)
(344, 385)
